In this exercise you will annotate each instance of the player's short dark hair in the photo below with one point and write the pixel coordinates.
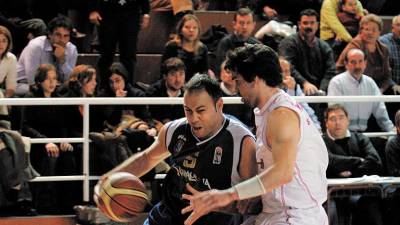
(59, 21)
(335, 107)
(200, 82)
(254, 60)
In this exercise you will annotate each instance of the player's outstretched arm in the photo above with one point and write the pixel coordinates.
(142, 162)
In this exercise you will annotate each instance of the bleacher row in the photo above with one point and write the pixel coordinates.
(152, 40)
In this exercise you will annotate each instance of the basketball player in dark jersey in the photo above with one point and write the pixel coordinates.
(208, 151)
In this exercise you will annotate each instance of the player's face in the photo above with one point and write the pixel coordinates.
(247, 91)
(203, 115)
(337, 123)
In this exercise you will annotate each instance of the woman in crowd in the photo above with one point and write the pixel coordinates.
(377, 54)
(8, 64)
(120, 87)
(47, 121)
(187, 46)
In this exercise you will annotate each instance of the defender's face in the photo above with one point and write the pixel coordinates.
(202, 113)
(247, 91)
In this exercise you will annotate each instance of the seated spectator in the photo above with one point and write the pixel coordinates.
(392, 41)
(311, 58)
(120, 87)
(82, 83)
(187, 46)
(49, 159)
(349, 17)
(354, 82)
(54, 48)
(242, 112)
(340, 22)
(377, 54)
(243, 27)
(393, 150)
(289, 86)
(171, 85)
(8, 64)
(351, 154)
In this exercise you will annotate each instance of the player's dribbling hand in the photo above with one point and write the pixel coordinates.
(201, 203)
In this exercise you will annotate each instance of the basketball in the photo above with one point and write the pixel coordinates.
(121, 197)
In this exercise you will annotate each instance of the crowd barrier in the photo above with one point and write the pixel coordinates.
(87, 102)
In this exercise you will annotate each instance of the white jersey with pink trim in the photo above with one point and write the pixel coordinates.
(309, 185)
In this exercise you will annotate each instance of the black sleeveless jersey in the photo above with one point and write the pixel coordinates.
(204, 164)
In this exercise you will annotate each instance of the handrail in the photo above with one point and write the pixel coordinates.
(86, 102)
(176, 100)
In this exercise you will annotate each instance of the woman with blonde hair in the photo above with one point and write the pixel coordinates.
(187, 46)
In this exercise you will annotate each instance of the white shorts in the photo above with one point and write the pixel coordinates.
(310, 216)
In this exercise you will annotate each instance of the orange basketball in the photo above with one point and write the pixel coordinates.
(121, 197)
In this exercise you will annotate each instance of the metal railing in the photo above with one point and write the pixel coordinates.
(87, 102)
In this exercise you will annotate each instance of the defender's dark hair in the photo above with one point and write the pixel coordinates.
(200, 82)
(254, 60)
(59, 21)
(171, 65)
(309, 12)
(334, 108)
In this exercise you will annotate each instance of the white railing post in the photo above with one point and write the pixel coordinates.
(86, 172)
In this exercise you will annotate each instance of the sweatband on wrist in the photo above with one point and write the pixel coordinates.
(250, 188)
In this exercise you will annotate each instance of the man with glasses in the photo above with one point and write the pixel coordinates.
(351, 154)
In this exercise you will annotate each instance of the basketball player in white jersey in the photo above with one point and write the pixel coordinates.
(291, 154)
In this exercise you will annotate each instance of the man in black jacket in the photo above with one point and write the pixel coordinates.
(351, 154)
(173, 72)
